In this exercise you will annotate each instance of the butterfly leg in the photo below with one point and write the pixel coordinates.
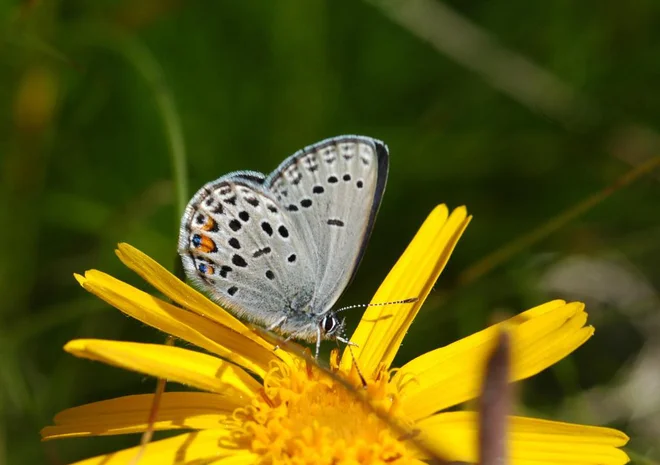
(318, 342)
(283, 342)
(276, 325)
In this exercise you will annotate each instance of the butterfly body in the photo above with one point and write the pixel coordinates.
(279, 250)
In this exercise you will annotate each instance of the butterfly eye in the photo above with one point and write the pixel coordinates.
(329, 324)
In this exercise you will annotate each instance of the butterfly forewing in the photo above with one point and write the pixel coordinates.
(332, 191)
(238, 244)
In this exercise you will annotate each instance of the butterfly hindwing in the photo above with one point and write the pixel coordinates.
(238, 244)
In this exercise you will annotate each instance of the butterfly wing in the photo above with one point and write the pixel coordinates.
(332, 191)
(237, 244)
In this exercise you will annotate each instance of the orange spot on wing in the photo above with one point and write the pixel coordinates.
(207, 245)
(209, 225)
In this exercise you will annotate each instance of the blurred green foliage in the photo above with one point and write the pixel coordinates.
(93, 94)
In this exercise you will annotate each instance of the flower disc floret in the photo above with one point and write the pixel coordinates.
(306, 416)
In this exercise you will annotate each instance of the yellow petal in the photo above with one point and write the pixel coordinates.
(176, 410)
(185, 295)
(173, 363)
(453, 435)
(190, 448)
(240, 348)
(382, 328)
(539, 338)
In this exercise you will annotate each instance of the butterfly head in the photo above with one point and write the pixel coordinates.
(331, 326)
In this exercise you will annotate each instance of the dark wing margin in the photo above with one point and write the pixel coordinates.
(245, 175)
(383, 155)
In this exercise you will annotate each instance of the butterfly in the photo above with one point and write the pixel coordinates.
(279, 250)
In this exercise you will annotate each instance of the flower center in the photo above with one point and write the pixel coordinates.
(306, 416)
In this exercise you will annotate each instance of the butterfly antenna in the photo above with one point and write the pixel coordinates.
(350, 344)
(394, 302)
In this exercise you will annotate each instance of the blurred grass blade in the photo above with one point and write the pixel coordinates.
(504, 253)
(146, 64)
(468, 44)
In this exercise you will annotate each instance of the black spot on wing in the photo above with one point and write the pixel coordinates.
(235, 225)
(224, 270)
(267, 228)
(260, 252)
(238, 261)
(309, 162)
(329, 155)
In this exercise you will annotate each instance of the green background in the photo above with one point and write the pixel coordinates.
(518, 110)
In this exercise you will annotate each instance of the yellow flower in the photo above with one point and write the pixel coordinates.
(272, 406)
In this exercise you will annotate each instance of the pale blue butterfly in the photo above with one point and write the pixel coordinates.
(279, 250)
